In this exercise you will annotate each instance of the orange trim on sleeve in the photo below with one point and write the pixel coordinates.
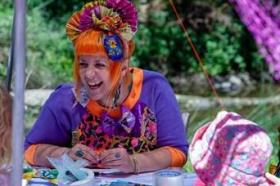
(178, 158)
(134, 95)
(29, 154)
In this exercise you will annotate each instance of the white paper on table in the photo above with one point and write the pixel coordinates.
(106, 171)
(144, 178)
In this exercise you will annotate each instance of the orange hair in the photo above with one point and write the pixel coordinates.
(5, 126)
(91, 42)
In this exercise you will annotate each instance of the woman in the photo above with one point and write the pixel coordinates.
(114, 116)
(5, 136)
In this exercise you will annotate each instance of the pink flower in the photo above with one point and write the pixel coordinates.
(134, 142)
(152, 127)
(98, 130)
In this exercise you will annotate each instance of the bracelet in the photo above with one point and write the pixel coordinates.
(135, 165)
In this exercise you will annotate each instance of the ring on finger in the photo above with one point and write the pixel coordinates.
(117, 155)
(79, 153)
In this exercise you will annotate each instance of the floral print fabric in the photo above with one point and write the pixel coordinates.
(231, 151)
(135, 130)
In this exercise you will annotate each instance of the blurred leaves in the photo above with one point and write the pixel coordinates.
(222, 41)
(49, 53)
(5, 37)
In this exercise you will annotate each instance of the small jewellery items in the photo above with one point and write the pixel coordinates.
(79, 153)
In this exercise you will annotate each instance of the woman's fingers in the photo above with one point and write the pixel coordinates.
(116, 158)
(112, 155)
(112, 164)
(80, 151)
(91, 155)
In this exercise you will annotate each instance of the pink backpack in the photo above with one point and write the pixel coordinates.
(230, 151)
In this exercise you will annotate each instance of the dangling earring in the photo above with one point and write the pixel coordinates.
(117, 96)
(81, 96)
(84, 97)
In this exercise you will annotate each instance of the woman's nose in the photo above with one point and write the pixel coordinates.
(90, 73)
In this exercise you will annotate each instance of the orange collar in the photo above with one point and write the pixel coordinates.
(137, 81)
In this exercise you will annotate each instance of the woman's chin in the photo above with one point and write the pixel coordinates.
(98, 97)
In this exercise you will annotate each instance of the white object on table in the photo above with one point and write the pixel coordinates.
(89, 181)
(143, 178)
(108, 176)
(105, 171)
(169, 177)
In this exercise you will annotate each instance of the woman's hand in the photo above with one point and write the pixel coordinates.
(275, 180)
(80, 151)
(117, 158)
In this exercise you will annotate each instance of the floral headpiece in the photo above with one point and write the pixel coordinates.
(112, 16)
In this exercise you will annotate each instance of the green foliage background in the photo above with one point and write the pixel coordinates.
(161, 45)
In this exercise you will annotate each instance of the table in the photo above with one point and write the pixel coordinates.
(143, 178)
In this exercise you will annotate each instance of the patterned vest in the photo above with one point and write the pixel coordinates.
(135, 130)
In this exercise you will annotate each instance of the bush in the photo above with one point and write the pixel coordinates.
(49, 53)
(222, 41)
(5, 38)
(213, 25)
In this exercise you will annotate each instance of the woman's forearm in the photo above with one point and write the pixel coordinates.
(153, 160)
(42, 152)
(142, 162)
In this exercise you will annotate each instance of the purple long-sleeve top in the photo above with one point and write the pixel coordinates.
(151, 103)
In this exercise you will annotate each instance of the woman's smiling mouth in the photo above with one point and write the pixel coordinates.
(94, 85)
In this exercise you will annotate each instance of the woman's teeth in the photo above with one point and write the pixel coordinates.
(94, 85)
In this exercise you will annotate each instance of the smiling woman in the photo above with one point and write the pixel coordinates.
(113, 116)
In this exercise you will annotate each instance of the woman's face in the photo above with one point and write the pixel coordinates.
(95, 76)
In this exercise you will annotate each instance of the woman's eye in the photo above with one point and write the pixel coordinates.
(83, 65)
(100, 65)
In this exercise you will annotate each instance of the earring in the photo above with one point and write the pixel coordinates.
(84, 97)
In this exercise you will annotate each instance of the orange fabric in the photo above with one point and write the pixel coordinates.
(29, 154)
(134, 95)
(137, 81)
(178, 158)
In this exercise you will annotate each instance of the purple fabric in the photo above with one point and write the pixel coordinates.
(120, 127)
(57, 119)
(60, 116)
(159, 96)
(263, 21)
